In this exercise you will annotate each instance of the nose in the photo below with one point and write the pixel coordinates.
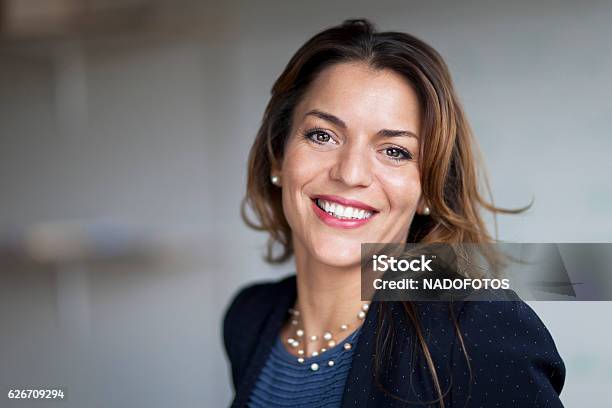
(353, 165)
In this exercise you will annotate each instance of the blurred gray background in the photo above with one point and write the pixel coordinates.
(124, 132)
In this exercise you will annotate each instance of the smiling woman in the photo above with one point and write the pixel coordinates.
(344, 148)
(364, 141)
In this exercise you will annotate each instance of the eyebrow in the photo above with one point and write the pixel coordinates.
(340, 123)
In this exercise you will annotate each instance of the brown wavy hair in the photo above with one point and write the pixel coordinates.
(450, 157)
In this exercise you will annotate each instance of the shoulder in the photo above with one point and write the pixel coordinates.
(245, 315)
(248, 294)
(508, 353)
(252, 297)
(489, 353)
(252, 301)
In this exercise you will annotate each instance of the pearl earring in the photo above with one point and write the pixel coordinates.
(275, 180)
(426, 211)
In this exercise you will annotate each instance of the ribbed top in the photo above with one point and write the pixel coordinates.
(284, 382)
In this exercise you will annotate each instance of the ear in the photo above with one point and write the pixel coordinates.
(275, 171)
(276, 166)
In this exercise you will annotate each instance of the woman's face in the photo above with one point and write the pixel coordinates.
(354, 137)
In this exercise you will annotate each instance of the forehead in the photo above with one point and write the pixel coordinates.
(361, 95)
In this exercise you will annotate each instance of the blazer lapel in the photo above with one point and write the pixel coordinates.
(358, 386)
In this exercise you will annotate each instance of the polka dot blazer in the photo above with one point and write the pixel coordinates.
(508, 358)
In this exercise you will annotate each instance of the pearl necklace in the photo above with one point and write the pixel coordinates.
(327, 336)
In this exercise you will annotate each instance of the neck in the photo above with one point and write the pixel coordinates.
(327, 296)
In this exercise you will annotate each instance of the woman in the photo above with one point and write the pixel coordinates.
(364, 140)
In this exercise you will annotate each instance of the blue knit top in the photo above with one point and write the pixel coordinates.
(284, 382)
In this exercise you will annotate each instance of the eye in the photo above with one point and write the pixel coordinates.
(318, 136)
(398, 154)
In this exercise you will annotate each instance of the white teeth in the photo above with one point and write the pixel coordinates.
(342, 212)
(348, 212)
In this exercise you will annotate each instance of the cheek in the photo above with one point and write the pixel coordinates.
(298, 169)
(403, 190)
(300, 165)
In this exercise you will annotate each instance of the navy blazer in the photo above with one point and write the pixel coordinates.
(513, 360)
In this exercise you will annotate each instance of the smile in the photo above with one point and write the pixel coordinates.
(343, 212)
(341, 216)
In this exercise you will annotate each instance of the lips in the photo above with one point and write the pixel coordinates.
(332, 221)
(345, 202)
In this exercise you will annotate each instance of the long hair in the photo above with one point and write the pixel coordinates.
(450, 158)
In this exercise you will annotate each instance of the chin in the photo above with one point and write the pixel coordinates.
(339, 255)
